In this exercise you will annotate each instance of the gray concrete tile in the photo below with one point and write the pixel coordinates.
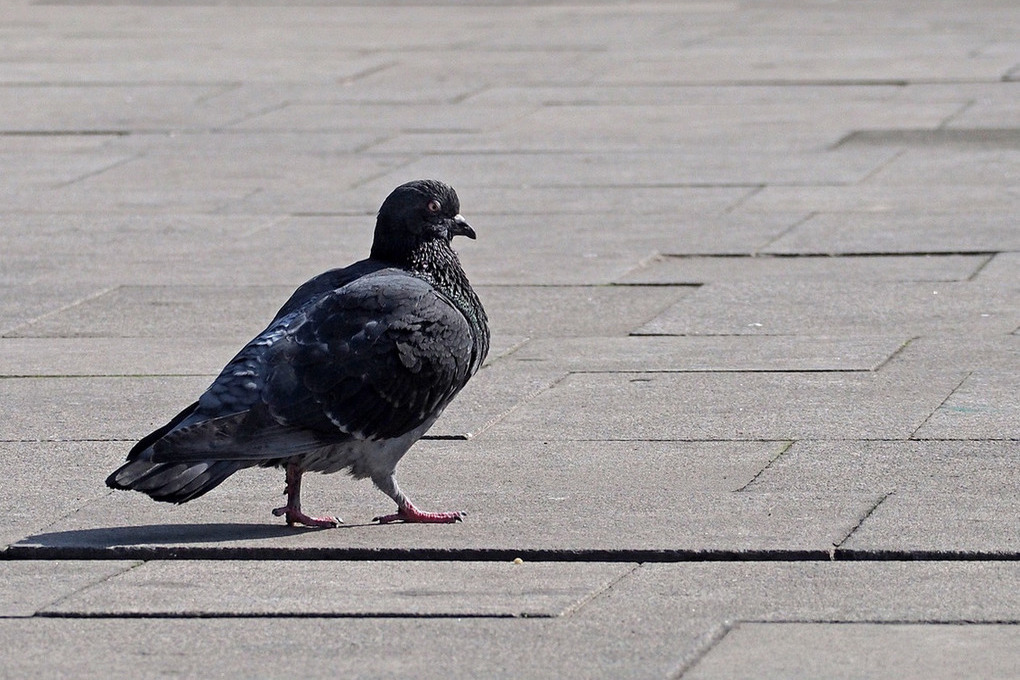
(572, 249)
(763, 268)
(888, 591)
(228, 525)
(233, 166)
(493, 392)
(48, 481)
(326, 588)
(984, 406)
(563, 311)
(92, 408)
(813, 650)
(57, 357)
(445, 647)
(607, 637)
(644, 496)
(110, 250)
(845, 307)
(648, 168)
(893, 466)
(996, 167)
(108, 107)
(386, 119)
(964, 352)
(188, 311)
(941, 521)
(737, 123)
(696, 601)
(1001, 270)
(689, 406)
(30, 299)
(41, 163)
(851, 56)
(971, 201)
(31, 585)
(692, 353)
(898, 232)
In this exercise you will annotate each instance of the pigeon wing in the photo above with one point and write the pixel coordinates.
(373, 359)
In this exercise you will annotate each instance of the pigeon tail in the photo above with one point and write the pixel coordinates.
(172, 482)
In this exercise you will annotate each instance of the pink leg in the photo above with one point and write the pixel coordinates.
(409, 513)
(292, 510)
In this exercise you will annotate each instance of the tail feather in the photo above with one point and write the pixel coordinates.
(154, 436)
(172, 482)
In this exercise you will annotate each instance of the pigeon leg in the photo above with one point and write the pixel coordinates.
(293, 508)
(406, 512)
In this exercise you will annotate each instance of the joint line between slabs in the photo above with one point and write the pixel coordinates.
(836, 546)
(286, 615)
(939, 407)
(145, 553)
(768, 465)
(598, 592)
(702, 646)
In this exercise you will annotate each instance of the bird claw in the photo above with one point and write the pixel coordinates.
(411, 514)
(295, 517)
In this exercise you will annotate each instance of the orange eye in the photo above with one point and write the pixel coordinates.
(434, 206)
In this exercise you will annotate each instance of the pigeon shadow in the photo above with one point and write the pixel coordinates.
(105, 538)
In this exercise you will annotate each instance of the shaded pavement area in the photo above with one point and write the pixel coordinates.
(752, 272)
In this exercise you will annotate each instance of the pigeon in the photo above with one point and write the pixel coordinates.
(356, 366)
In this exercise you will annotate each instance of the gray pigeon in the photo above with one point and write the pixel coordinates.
(355, 368)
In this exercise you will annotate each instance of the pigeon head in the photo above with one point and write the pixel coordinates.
(416, 213)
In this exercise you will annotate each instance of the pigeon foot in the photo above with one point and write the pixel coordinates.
(409, 514)
(295, 517)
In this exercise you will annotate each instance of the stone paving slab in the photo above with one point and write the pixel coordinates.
(22, 302)
(898, 232)
(762, 269)
(932, 165)
(575, 311)
(726, 118)
(842, 308)
(29, 586)
(691, 406)
(692, 353)
(969, 202)
(648, 168)
(942, 521)
(48, 481)
(601, 638)
(111, 107)
(126, 250)
(314, 647)
(630, 509)
(706, 524)
(261, 588)
(547, 250)
(83, 357)
(784, 650)
(893, 466)
(984, 406)
(62, 409)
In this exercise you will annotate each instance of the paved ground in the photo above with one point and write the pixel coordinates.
(753, 278)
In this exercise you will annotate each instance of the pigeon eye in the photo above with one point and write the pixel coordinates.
(434, 206)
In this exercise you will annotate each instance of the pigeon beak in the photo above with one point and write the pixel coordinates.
(460, 227)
